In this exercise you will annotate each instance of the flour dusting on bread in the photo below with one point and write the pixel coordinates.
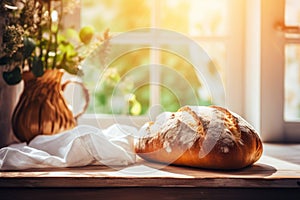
(203, 136)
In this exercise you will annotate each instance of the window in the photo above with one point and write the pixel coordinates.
(291, 70)
(206, 23)
(272, 61)
(254, 45)
(292, 61)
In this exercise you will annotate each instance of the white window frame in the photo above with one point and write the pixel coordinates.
(265, 62)
(234, 87)
(272, 71)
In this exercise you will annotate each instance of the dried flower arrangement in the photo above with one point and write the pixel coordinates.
(34, 38)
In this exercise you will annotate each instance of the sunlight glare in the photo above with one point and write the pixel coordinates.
(54, 15)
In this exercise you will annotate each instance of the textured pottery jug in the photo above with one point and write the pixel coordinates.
(42, 108)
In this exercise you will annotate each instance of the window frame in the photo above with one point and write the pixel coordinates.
(265, 63)
(272, 100)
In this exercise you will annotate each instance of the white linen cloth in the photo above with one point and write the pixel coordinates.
(83, 145)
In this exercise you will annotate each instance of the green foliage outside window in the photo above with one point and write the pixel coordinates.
(130, 71)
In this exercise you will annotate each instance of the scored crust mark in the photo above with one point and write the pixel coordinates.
(198, 123)
(231, 122)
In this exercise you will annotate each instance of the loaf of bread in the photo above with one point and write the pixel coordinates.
(209, 137)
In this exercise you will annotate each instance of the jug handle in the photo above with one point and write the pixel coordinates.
(85, 93)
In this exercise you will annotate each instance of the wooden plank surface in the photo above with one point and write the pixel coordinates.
(279, 167)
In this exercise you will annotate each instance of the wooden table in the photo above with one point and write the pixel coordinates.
(275, 176)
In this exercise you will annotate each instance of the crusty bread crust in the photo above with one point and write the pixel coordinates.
(199, 136)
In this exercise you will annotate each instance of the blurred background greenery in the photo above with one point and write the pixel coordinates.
(124, 88)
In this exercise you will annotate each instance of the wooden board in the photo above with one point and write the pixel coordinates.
(275, 176)
(279, 167)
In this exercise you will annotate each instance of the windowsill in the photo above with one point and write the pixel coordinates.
(277, 171)
(105, 120)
